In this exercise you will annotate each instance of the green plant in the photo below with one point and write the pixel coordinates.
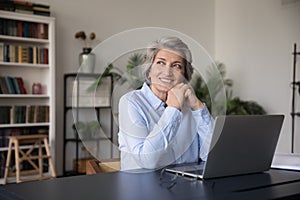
(131, 75)
(135, 60)
(87, 130)
(234, 105)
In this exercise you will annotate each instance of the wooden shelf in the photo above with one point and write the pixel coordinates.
(23, 39)
(13, 64)
(25, 96)
(24, 125)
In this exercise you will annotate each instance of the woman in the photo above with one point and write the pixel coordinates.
(164, 122)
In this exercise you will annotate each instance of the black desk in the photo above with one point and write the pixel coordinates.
(129, 186)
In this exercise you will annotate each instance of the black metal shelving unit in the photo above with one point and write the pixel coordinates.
(68, 108)
(295, 85)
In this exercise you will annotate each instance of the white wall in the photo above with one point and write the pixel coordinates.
(254, 39)
(108, 17)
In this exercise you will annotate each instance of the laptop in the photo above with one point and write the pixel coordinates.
(241, 144)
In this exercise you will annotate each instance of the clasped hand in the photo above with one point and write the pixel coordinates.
(182, 94)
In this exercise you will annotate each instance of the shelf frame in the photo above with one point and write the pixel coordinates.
(76, 139)
(294, 84)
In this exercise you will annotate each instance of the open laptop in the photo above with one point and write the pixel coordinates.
(241, 144)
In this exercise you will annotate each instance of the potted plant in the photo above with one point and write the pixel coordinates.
(234, 105)
(131, 74)
(87, 130)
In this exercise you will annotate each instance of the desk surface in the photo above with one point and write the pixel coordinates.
(131, 186)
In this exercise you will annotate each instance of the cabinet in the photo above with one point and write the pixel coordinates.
(27, 57)
(295, 84)
(88, 121)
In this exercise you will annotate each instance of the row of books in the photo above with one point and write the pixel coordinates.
(12, 85)
(23, 29)
(24, 114)
(5, 133)
(23, 54)
(25, 7)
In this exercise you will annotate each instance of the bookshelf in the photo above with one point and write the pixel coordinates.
(27, 52)
(87, 109)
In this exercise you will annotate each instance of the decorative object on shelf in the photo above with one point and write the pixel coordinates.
(86, 57)
(87, 61)
(36, 88)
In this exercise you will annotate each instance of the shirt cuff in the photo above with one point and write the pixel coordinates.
(203, 114)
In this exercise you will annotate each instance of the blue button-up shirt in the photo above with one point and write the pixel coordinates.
(152, 135)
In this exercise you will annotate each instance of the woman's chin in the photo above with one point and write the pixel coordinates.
(164, 88)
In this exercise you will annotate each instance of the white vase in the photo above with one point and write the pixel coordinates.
(87, 61)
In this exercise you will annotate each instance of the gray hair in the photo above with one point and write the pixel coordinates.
(170, 43)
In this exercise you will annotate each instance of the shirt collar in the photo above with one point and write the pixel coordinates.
(153, 99)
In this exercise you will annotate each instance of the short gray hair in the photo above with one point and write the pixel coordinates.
(170, 43)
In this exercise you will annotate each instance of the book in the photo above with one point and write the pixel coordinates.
(19, 114)
(21, 85)
(23, 7)
(20, 29)
(43, 13)
(1, 51)
(16, 85)
(19, 53)
(41, 9)
(6, 53)
(5, 133)
(5, 114)
(37, 114)
(23, 3)
(34, 56)
(10, 85)
(39, 5)
(30, 54)
(25, 54)
(12, 53)
(29, 113)
(45, 56)
(4, 86)
(26, 27)
(7, 5)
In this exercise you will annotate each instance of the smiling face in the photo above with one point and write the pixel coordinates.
(166, 71)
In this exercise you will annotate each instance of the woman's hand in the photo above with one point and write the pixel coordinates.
(192, 101)
(176, 96)
(182, 94)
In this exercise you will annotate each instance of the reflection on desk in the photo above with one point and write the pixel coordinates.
(131, 186)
